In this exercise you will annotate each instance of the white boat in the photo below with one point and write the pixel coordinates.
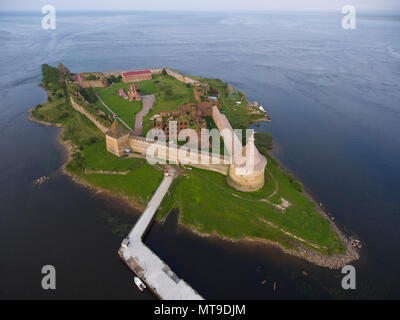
(139, 283)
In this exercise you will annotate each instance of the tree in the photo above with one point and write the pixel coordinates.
(164, 72)
(298, 186)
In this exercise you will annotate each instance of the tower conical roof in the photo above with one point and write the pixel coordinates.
(63, 68)
(116, 131)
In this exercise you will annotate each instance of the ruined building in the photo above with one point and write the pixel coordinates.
(134, 76)
(133, 93)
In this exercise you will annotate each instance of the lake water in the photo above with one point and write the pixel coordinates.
(334, 99)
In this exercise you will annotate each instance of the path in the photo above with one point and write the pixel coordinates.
(147, 102)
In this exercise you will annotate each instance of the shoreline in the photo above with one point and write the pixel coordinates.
(335, 261)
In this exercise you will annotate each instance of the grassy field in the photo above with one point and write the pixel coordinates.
(236, 215)
(131, 185)
(122, 107)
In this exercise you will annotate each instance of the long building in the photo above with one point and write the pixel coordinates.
(134, 76)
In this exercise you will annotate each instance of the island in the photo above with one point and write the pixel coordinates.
(105, 117)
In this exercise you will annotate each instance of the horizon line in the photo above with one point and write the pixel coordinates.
(331, 10)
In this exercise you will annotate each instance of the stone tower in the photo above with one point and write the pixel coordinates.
(117, 139)
(248, 175)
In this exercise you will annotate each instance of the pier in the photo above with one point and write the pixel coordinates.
(157, 275)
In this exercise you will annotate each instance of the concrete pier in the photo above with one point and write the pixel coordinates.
(159, 278)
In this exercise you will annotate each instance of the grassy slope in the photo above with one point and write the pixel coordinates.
(232, 217)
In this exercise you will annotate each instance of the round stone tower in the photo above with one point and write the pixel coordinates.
(247, 173)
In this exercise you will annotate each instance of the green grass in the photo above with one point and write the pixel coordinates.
(98, 158)
(125, 109)
(229, 216)
(139, 184)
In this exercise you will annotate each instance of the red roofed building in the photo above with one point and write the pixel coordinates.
(133, 76)
(79, 78)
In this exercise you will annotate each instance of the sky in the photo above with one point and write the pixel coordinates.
(203, 5)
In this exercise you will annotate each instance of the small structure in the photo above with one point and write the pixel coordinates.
(79, 78)
(63, 69)
(117, 139)
(122, 93)
(134, 76)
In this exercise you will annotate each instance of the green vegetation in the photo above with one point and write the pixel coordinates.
(170, 94)
(239, 116)
(113, 79)
(52, 79)
(125, 109)
(236, 215)
(89, 153)
(205, 201)
(89, 95)
(264, 141)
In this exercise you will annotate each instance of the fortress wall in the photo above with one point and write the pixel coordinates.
(91, 117)
(92, 83)
(180, 77)
(222, 123)
(171, 153)
(156, 71)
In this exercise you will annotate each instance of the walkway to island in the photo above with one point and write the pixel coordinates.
(160, 279)
(147, 102)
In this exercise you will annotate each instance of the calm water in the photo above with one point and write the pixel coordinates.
(334, 98)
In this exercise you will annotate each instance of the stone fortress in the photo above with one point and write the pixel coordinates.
(246, 175)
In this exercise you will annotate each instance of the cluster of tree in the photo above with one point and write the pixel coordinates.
(295, 183)
(88, 94)
(53, 79)
(264, 141)
(113, 79)
(77, 162)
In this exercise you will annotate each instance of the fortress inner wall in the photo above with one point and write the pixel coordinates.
(174, 153)
(91, 117)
